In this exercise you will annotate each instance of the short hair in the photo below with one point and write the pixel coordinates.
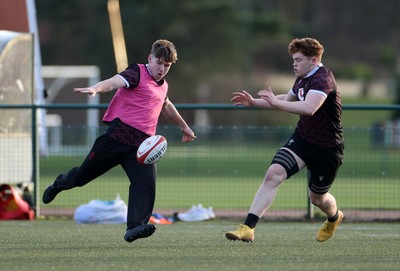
(164, 49)
(307, 46)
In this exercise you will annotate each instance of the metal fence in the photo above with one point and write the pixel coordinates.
(224, 167)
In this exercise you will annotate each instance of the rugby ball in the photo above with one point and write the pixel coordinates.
(151, 150)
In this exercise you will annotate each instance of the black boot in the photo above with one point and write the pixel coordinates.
(51, 191)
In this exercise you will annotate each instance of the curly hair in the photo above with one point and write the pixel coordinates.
(164, 49)
(307, 46)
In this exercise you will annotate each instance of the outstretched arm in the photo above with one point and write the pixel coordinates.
(307, 107)
(110, 84)
(245, 99)
(172, 114)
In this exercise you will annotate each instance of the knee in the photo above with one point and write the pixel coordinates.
(316, 199)
(276, 174)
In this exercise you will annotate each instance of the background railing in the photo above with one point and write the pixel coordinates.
(224, 167)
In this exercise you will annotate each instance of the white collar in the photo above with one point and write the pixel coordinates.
(313, 70)
(148, 70)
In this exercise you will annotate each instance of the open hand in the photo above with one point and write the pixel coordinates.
(90, 91)
(268, 95)
(242, 98)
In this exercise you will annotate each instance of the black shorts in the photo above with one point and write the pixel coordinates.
(322, 163)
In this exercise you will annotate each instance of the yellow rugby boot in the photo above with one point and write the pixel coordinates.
(243, 233)
(329, 228)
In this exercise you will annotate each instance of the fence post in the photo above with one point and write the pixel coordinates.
(35, 178)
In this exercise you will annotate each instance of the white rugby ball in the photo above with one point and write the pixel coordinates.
(151, 150)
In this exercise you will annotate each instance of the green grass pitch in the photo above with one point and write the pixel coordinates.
(63, 245)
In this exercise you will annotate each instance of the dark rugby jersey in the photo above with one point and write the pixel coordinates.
(125, 133)
(324, 128)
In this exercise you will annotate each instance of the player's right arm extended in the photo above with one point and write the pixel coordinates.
(107, 85)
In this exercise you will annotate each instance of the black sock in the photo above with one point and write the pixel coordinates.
(334, 218)
(251, 220)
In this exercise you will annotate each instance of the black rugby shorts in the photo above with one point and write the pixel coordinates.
(322, 163)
